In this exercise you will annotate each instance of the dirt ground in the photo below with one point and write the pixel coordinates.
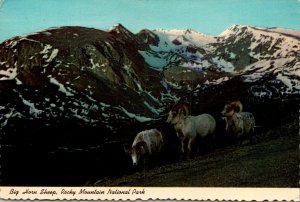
(270, 162)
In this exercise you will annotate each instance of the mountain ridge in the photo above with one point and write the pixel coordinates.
(129, 65)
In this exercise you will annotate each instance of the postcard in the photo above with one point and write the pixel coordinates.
(140, 100)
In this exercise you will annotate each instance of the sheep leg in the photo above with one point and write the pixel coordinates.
(182, 146)
(189, 149)
(211, 142)
(233, 139)
(252, 136)
(146, 164)
(240, 138)
(181, 150)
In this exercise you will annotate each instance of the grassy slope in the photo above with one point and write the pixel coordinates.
(268, 163)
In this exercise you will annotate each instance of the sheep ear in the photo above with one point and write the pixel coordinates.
(127, 148)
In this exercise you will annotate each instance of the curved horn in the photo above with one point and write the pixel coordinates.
(237, 106)
(185, 109)
(181, 106)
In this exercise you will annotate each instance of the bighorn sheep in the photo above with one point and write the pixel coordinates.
(145, 144)
(189, 127)
(238, 124)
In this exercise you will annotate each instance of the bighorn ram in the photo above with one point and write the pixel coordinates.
(145, 144)
(189, 127)
(238, 124)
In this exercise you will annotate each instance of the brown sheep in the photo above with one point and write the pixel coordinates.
(145, 144)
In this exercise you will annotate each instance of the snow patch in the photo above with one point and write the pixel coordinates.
(152, 109)
(46, 49)
(94, 65)
(18, 82)
(226, 66)
(12, 43)
(261, 92)
(253, 77)
(8, 74)
(185, 37)
(290, 32)
(134, 116)
(7, 115)
(175, 46)
(32, 109)
(61, 87)
(53, 55)
(104, 105)
(168, 97)
(154, 61)
(288, 82)
(47, 33)
(218, 81)
(232, 55)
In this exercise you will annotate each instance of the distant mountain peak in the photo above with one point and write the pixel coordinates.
(234, 29)
(126, 36)
(118, 28)
(149, 37)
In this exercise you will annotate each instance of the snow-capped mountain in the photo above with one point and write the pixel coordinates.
(250, 52)
(259, 53)
(174, 47)
(114, 78)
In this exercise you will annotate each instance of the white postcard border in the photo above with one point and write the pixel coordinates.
(149, 193)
